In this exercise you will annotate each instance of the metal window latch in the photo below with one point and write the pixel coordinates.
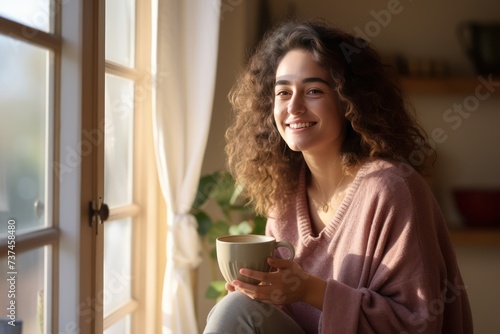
(101, 214)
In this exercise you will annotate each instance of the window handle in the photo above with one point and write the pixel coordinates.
(101, 214)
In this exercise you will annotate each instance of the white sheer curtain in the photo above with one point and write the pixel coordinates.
(186, 58)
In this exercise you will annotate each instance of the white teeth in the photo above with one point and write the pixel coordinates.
(301, 125)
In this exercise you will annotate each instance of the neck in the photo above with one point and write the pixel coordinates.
(323, 194)
(326, 170)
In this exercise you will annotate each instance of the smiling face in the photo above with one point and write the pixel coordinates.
(306, 107)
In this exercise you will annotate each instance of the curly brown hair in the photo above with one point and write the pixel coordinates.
(380, 124)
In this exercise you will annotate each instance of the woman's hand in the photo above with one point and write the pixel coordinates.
(287, 285)
(229, 287)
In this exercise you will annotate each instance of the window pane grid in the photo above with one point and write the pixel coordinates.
(123, 212)
(120, 326)
(120, 32)
(37, 26)
(29, 286)
(127, 309)
(117, 264)
(36, 14)
(121, 76)
(122, 71)
(31, 240)
(119, 135)
(27, 102)
(22, 33)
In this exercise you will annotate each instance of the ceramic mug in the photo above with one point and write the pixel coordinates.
(251, 251)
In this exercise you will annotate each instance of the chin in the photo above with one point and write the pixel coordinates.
(296, 148)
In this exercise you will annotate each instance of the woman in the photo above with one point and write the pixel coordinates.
(326, 147)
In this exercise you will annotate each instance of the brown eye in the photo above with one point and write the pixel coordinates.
(315, 91)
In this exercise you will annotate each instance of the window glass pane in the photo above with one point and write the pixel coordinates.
(122, 326)
(34, 13)
(25, 127)
(26, 288)
(120, 31)
(119, 135)
(117, 263)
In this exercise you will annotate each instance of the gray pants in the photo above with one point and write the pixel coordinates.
(236, 313)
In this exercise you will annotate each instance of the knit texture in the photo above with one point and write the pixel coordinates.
(386, 256)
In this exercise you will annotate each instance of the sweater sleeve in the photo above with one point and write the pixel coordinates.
(364, 310)
(408, 278)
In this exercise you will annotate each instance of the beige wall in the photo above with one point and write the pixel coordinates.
(422, 29)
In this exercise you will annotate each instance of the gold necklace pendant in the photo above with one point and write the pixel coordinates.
(326, 206)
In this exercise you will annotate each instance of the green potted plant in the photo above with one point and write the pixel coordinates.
(221, 209)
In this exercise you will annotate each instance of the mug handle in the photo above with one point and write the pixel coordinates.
(288, 245)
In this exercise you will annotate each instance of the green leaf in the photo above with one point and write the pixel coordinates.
(223, 190)
(242, 228)
(213, 253)
(234, 230)
(259, 225)
(206, 187)
(243, 209)
(216, 230)
(204, 222)
(216, 289)
(220, 188)
(238, 189)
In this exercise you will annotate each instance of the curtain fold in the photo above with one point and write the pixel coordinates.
(186, 59)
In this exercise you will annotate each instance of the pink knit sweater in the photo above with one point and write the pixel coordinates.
(387, 258)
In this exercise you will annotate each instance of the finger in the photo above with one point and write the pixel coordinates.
(246, 288)
(257, 275)
(258, 292)
(229, 287)
(279, 263)
(264, 293)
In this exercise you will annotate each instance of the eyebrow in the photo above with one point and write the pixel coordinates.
(285, 82)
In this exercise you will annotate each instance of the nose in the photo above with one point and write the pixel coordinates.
(296, 104)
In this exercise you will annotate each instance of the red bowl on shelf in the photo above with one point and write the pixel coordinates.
(478, 207)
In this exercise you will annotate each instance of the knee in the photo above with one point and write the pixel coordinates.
(234, 303)
(238, 313)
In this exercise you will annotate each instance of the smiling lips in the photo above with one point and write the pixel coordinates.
(301, 125)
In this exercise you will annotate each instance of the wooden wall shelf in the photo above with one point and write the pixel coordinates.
(447, 85)
(483, 237)
(473, 85)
